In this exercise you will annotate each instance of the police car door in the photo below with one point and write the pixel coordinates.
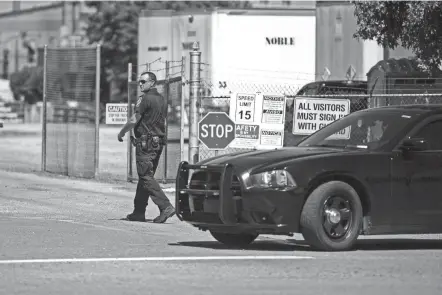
(418, 176)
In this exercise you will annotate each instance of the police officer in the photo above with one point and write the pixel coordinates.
(149, 123)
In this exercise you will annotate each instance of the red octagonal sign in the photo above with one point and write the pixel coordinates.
(216, 130)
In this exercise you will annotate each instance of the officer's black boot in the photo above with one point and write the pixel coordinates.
(165, 214)
(139, 211)
(136, 217)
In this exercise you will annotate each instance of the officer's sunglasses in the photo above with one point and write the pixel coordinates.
(143, 81)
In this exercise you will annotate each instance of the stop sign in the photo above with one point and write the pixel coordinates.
(216, 130)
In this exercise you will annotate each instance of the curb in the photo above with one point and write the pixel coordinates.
(168, 187)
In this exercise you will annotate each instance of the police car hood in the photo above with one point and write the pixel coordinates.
(261, 158)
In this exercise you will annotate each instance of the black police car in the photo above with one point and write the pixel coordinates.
(385, 178)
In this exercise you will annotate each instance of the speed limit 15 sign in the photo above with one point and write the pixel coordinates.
(245, 108)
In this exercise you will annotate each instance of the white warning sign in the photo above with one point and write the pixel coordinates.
(273, 109)
(311, 114)
(246, 136)
(271, 138)
(116, 113)
(259, 119)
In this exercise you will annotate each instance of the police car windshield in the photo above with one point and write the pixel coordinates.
(366, 129)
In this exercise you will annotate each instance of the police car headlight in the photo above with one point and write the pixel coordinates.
(275, 179)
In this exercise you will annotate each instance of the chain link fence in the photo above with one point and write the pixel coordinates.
(171, 88)
(377, 93)
(71, 111)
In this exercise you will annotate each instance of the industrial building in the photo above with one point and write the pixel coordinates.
(26, 26)
(238, 53)
(235, 52)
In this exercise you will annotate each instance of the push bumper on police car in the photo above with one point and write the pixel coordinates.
(220, 197)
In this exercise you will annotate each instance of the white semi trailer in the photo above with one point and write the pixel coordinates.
(242, 50)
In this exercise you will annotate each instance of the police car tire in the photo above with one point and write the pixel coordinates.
(234, 240)
(311, 217)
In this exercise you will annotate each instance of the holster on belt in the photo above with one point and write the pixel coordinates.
(147, 141)
(140, 140)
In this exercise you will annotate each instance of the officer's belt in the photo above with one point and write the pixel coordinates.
(140, 139)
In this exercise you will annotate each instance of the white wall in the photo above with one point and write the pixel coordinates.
(233, 47)
(172, 33)
(244, 59)
(154, 33)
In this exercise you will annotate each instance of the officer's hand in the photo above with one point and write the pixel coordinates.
(120, 137)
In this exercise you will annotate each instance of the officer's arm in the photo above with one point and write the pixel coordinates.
(139, 109)
(130, 124)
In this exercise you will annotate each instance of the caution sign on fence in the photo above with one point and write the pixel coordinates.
(259, 120)
(311, 114)
(116, 113)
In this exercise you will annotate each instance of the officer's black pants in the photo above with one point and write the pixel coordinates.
(147, 163)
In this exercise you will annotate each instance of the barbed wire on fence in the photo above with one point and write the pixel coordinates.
(177, 64)
(288, 82)
(373, 95)
(396, 86)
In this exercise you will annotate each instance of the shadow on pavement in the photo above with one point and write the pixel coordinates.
(148, 220)
(398, 244)
(386, 244)
(295, 245)
(257, 245)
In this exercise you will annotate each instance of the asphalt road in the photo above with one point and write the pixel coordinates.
(60, 236)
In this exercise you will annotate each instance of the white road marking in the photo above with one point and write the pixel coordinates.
(188, 258)
(169, 190)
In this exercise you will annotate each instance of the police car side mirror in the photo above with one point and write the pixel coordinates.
(414, 145)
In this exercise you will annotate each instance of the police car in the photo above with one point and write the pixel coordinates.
(385, 177)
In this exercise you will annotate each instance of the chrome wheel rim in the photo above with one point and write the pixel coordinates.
(337, 217)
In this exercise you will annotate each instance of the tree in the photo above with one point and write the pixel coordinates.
(415, 25)
(115, 26)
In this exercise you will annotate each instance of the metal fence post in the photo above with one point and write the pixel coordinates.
(167, 96)
(194, 83)
(97, 109)
(129, 114)
(183, 111)
(43, 139)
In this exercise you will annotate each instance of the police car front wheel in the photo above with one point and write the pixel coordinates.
(332, 217)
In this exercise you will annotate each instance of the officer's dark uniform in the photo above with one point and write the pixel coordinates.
(149, 142)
